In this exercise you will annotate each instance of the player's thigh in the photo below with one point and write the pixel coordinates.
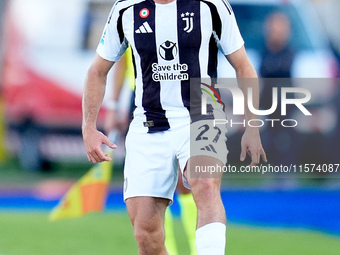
(201, 167)
(147, 213)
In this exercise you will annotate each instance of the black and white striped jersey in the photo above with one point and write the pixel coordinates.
(171, 43)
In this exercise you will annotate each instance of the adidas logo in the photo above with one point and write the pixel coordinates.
(144, 29)
(209, 148)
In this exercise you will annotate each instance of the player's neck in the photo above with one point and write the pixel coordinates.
(163, 1)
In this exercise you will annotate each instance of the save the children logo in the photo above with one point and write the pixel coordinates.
(168, 50)
(172, 71)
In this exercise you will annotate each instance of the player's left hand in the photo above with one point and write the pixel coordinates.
(251, 144)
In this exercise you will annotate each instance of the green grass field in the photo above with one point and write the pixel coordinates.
(31, 233)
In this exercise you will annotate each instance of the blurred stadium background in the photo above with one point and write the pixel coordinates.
(46, 48)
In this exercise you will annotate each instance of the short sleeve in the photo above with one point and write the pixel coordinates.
(230, 38)
(112, 44)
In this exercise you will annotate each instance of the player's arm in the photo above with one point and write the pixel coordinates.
(119, 70)
(247, 78)
(92, 100)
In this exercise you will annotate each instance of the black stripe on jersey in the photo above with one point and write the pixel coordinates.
(145, 44)
(120, 25)
(213, 49)
(215, 17)
(213, 59)
(134, 66)
(189, 43)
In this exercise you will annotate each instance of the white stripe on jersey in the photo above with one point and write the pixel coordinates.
(206, 29)
(166, 30)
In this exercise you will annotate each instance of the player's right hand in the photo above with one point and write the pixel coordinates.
(93, 140)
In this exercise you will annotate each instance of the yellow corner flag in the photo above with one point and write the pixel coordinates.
(85, 196)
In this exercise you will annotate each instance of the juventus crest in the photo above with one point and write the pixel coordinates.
(189, 19)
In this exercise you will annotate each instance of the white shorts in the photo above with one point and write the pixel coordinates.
(152, 159)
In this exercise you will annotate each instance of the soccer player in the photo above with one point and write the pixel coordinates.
(172, 41)
(123, 72)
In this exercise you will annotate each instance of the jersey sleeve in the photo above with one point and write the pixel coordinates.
(112, 44)
(230, 39)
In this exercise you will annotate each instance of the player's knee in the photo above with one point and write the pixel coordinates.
(142, 237)
(150, 236)
(205, 190)
(205, 184)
